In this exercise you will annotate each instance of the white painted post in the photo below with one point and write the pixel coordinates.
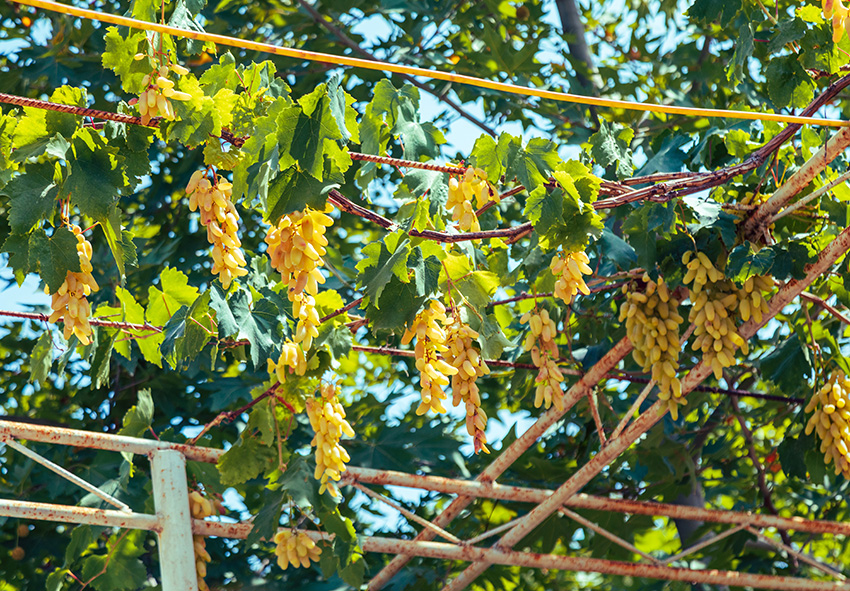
(171, 499)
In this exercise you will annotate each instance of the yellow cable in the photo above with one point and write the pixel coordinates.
(414, 71)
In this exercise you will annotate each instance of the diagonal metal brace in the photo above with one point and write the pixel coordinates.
(85, 485)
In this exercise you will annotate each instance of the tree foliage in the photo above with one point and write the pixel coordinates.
(175, 347)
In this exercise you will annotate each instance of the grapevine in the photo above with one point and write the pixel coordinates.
(569, 269)
(830, 408)
(471, 187)
(540, 341)
(714, 300)
(652, 325)
(218, 215)
(296, 246)
(296, 549)
(327, 417)
(69, 303)
(469, 364)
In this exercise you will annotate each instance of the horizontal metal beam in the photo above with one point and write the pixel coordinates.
(68, 514)
(444, 551)
(107, 441)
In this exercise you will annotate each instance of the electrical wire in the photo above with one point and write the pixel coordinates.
(423, 72)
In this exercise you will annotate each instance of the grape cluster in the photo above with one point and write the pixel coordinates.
(652, 325)
(292, 360)
(295, 548)
(327, 417)
(201, 507)
(470, 366)
(569, 270)
(838, 13)
(751, 302)
(296, 247)
(714, 300)
(218, 215)
(471, 185)
(831, 420)
(69, 303)
(540, 340)
(428, 328)
(153, 102)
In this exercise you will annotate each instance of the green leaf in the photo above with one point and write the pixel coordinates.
(792, 454)
(41, 358)
(181, 17)
(227, 324)
(121, 569)
(139, 418)
(307, 132)
(745, 261)
(617, 250)
(294, 190)
(268, 517)
(744, 46)
(201, 116)
(96, 175)
(53, 257)
(342, 110)
(33, 197)
(187, 332)
(133, 313)
(118, 57)
(175, 292)
(221, 75)
(257, 322)
(492, 339)
(787, 31)
(65, 123)
(245, 460)
(788, 83)
(101, 357)
(118, 240)
(485, 155)
(382, 261)
(707, 11)
(610, 147)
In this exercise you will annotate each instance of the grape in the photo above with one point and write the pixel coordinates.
(540, 341)
(652, 325)
(219, 216)
(830, 408)
(470, 366)
(327, 417)
(714, 300)
(296, 246)
(153, 102)
(428, 328)
(292, 360)
(471, 185)
(836, 11)
(199, 508)
(69, 303)
(569, 270)
(295, 548)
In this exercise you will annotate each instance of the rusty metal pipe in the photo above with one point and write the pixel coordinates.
(67, 514)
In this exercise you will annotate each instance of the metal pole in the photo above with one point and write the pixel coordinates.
(171, 499)
(68, 514)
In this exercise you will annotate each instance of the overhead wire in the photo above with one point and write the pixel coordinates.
(341, 60)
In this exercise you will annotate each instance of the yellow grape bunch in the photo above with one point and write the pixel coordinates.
(751, 302)
(69, 303)
(831, 419)
(836, 11)
(472, 185)
(291, 360)
(429, 329)
(569, 270)
(201, 507)
(652, 325)
(295, 548)
(714, 302)
(219, 216)
(153, 102)
(327, 417)
(296, 246)
(469, 364)
(540, 341)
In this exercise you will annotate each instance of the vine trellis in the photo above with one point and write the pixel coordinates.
(172, 521)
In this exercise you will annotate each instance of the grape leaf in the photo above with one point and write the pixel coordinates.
(118, 57)
(53, 257)
(41, 358)
(33, 197)
(96, 174)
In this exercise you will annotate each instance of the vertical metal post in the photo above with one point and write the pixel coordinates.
(171, 499)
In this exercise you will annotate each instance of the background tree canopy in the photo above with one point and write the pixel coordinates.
(176, 353)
